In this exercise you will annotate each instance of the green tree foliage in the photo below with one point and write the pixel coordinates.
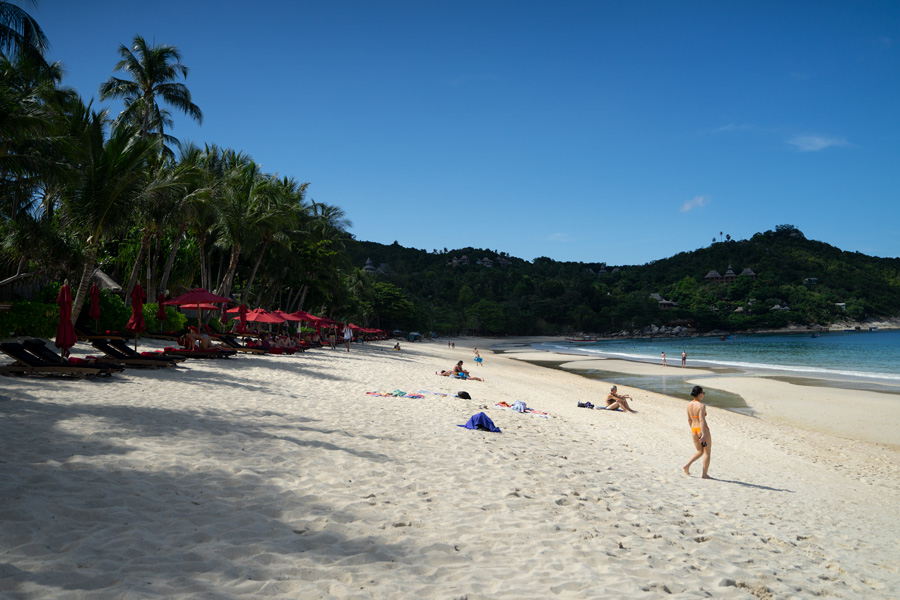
(545, 296)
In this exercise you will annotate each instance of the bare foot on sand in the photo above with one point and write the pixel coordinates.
(687, 470)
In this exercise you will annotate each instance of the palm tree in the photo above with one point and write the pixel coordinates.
(31, 143)
(20, 35)
(153, 71)
(246, 193)
(280, 214)
(110, 175)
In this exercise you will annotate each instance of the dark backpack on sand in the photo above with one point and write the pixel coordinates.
(463, 395)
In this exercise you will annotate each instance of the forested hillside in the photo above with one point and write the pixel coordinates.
(794, 281)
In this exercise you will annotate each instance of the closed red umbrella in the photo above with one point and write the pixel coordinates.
(136, 322)
(65, 331)
(94, 312)
(161, 307)
(242, 315)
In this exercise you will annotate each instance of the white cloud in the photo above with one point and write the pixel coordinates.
(695, 202)
(558, 237)
(814, 143)
(733, 127)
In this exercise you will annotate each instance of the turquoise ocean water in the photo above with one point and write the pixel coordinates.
(865, 360)
(865, 355)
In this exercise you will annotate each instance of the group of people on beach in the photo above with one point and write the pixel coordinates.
(696, 410)
(683, 359)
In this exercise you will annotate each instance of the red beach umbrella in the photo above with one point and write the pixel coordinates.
(65, 331)
(94, 312)
(197, 296)
(136, 322)
(206, 306)
(286, 316)
(261, 316)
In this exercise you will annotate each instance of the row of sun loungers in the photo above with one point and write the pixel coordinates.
(34, 357)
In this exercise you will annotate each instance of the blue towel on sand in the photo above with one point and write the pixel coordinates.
(481, 421)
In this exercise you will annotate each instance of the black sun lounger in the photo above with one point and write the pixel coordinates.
(211, 353)
(233, 344)
(29, 364)
(40, 350)
(137, 360)
(123, 348)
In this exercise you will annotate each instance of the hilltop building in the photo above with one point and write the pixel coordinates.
(729, 276)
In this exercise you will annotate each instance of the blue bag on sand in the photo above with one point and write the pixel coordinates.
(481, 421)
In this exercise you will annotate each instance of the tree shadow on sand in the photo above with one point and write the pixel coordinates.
(91, 512)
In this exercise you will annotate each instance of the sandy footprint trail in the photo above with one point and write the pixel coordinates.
(279, 477)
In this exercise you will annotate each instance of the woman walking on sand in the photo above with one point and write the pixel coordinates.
(696, 411)
(348, 337)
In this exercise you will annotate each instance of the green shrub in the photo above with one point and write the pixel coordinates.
(175, 321)
(36, 319)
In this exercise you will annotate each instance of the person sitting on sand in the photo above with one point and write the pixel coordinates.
(397, 346)
(615, 400)
(700, 435)
(196, 341)
(458, 371)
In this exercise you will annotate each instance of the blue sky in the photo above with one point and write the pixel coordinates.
(621, 132)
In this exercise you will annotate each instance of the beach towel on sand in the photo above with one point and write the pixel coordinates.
(396, 394)
(526, 410)
(482, 422)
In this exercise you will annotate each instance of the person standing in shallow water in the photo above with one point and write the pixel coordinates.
(700, 435)
(664, 359)
(683, 358)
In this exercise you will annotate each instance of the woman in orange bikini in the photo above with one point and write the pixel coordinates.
(696, 411)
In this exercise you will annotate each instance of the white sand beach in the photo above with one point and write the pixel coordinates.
(278, 476)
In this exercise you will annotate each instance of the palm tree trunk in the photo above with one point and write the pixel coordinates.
(145, 245)
(164, 280)
(253, 272)
(304, 289)
(220, 279)
(292, 299)
(90, 259)
(154, 268)
(262, 288)
(232, 267)
(204, 265)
